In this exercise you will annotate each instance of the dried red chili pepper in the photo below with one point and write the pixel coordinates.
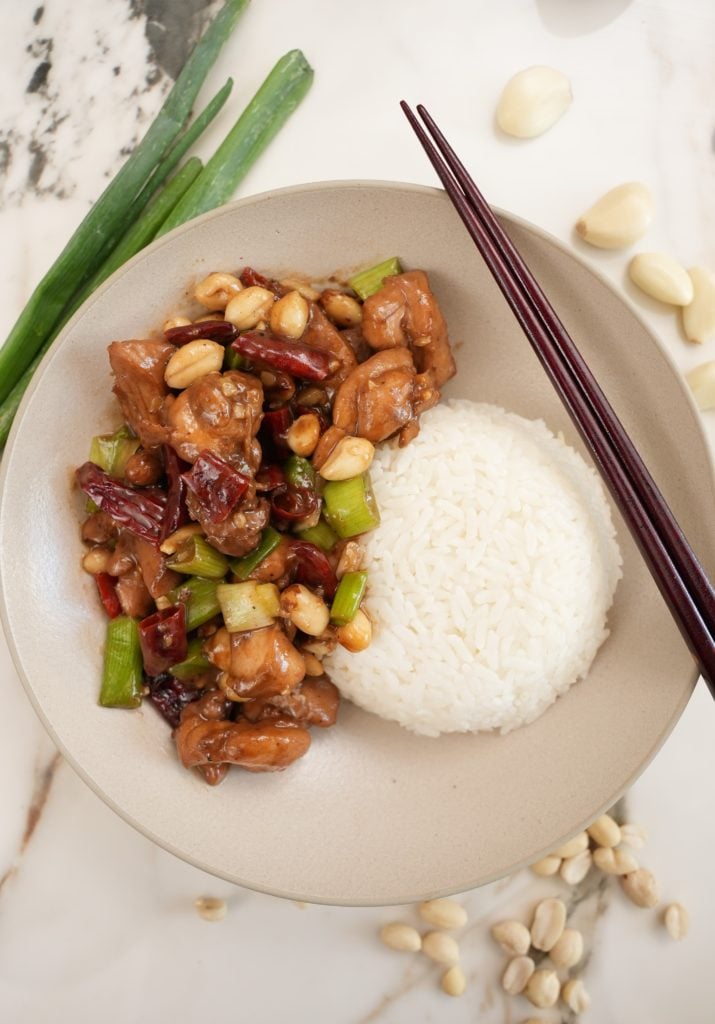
(162, 637)
(292, 357)
(270, 478)
(108, 594)
(250, 278)
(291, 504)
(218, 486)
(141, 512)
(313, 567)
(170, 696)
(217, 330)
(176, 513)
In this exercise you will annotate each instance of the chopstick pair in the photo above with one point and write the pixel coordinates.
(677, 572)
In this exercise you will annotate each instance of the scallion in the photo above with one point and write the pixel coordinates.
(349, 506)
(111, 452)
(321, 535)
(369, 281)
(122, 675)
(196, 557)
(248, 605)
(199, 597)
(299, 472)
(348, 596)
(243, 567)
(195, 661)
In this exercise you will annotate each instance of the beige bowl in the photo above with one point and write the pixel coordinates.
(373, 814)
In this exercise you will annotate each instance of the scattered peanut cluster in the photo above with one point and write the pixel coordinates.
(445, 915)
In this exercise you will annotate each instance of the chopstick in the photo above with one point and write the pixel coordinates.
(676, 570)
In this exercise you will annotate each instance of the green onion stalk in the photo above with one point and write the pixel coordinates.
(122, 674)
(199, 598)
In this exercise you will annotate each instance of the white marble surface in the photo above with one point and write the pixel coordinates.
(95, 922)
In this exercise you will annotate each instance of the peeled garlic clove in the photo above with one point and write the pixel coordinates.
(533, 101)
(699, 316)
(661, 277)
(619, 218)
(702, 384)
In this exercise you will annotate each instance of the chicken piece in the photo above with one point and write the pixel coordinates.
(321, 333)
(99, 528)
(356, 340)
(275, 567)
(404, 312)
(241, 532)
(383, 395)
(139, 385)
(257, 663)
(158, 578)
(220, 413)
(314, 702)
(135, 599)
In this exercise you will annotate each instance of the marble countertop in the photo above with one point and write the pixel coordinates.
(96, 923)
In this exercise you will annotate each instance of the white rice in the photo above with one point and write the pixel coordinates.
(490, 575)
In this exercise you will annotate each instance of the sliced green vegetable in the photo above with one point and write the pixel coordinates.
(143, 230)
(349, 506)
(199, 597)
(348, 596)
(195, 661)
(113, 212)
(299, 472)
(369, 281)
(122, 676)
(321, 535)
(111, 452)
(232, 360)
(196, 557)
(248, 605)
(243, 567)
(275, 101)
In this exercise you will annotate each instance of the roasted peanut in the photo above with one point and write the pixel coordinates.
(248, 307)
(441, 948)
(573, 846)
(542, 989)
(443, 913)
(402, 937)
(604, 831)
(350, 457)
(548, 925)
(96, 560)
(513, 937)
(356, 635)
(217, 290)
(305, 609)
(342, 309)
(568, 950)
(303, 434)
(289, 315)
(641, 887)
(517, 974)
(676, 920)
(547, 865)
(453, 981)
(575, 996)
(192, 361)
(614, 862)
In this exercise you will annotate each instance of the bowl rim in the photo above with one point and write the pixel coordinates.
(158, 244)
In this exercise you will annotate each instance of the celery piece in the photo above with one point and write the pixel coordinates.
(321, 535)
(369, 281)
(111, 452)
(195, 661)
(248, 605)
(348, 596)
(243, 567)
(349, 506)
(299, 472)
(196, 557)
(199, 597)
(122, 676)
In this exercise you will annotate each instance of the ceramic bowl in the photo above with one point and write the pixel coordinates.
(373, 814)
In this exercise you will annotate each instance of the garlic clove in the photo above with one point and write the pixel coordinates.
(661, 277)
(533, 101)
(699, 316)
(702, 384)
(619, 218)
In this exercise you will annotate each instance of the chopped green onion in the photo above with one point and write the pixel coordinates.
(115, 209)
(350, 507)
(196, 557)
(199, 597)
(122, 675)
(248, 605)
(299, 472)
(195, 661)
(232, 360)
(277, 98)
(243, 567)
(348, 596)
(111, 452)
(321, 535)
(367, 282)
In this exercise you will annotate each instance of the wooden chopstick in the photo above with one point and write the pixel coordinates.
(675, 568)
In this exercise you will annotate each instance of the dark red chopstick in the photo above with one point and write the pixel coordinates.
(677, 572)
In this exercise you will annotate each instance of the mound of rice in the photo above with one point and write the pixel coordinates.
(490, 575)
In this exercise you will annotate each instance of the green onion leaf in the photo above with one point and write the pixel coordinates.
(196, 557)
(300, 473)
(367, 282)
(111, 452)
(248, 605)
(348, 596)
(243, 567)
(349, 506)
(321, 535)
(199, 597)
(122, 676)
(195, 661)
